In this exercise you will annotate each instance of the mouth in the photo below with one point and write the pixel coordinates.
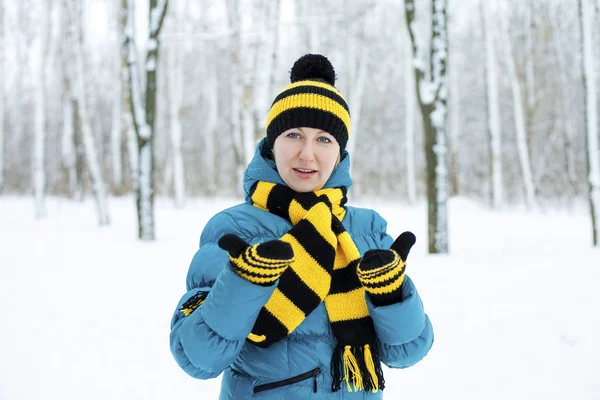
(304, 173)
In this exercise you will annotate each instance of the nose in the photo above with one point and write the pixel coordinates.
(306, 151)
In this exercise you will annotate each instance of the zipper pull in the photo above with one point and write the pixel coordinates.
(316, 373)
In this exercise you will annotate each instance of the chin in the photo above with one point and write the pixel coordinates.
(305, 188)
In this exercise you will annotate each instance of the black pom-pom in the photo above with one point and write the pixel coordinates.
(313, 66)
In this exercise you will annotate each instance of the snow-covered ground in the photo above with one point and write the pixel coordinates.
(85, 311)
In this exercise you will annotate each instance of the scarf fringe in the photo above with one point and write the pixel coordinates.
(359, 366)
(193, 302)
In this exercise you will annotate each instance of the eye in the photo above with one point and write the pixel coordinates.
(293, 135)
(324, 139)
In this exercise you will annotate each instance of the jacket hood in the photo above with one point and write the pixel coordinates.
(263, 169)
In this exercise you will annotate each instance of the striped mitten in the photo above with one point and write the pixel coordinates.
(261, 263)
(381, 272)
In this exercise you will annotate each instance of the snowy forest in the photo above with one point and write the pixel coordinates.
(104, 98)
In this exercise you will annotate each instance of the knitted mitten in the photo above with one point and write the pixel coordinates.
(381, 272)
(261, 263)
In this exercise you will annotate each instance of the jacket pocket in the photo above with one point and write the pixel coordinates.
(290, 381)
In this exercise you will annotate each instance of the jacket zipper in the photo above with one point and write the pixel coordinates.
(307, 375)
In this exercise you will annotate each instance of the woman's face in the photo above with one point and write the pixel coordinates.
(305, 158)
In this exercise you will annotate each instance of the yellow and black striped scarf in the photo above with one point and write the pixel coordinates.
(324, 269)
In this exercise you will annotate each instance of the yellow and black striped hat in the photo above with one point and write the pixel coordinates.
(311, 100)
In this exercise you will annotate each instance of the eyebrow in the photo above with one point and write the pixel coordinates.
(320, 131)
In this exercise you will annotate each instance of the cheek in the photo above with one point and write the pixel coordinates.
(330, 160)
(282, 156)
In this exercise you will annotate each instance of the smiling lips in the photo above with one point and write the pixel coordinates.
(304, 173)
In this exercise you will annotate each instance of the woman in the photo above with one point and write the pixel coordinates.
(279, 298)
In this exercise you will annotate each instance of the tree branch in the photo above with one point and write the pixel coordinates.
(156, 23)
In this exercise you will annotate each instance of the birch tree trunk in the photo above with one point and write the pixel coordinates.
(127, 115)
(493, 111)
(175, 65)
(117, 105)
(87, 135)
(265, 63)
(248, 52)
(564, 106)
(235, 85)
(143, 108)
(68, 113)
(358, 76)
(308, 31)
(2, 49)
(519, 116)
(409, 122)
(212, 101)
(529, 56)
(39, 144)
(432, 96)
(587, 17)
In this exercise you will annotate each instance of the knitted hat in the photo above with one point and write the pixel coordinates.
(311, 100)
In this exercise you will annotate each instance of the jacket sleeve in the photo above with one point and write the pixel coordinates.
(207, 341)
(404, 331)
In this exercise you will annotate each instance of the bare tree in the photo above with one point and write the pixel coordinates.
(432, 94)
(89, 147)
(39, 146)
(117, 94)
(519, 113)
(2, 50)
(587, 17)
(143, 108)
(265, 63)
(529, 55)
(493, 110)
(409, 122)
(356, 68)
(127, 125)
(72, 148)
(175, 61)
(235, 86)
(565, 104)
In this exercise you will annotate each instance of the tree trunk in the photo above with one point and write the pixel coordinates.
(248, 53)
(39, 146)
(2, 49)
(212, 95)
(67, 99)
(529, 56)
(264, 65)
(519, 116)
(432, 96)
(235, 87)
(493, 111)
(143, 109)
(126, 112)
(91, 156)
(564, 107)
(356, 90)
(587, 17)
(175, 96)
(116, 134)
(409, 123)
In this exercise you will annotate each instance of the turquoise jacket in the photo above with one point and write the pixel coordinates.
(211, 340)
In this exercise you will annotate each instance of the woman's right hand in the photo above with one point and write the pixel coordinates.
(261, 263)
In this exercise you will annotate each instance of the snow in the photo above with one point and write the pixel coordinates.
(151, 63)
(152, 44)
(86, 311)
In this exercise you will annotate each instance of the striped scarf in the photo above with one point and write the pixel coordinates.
(324, 269)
